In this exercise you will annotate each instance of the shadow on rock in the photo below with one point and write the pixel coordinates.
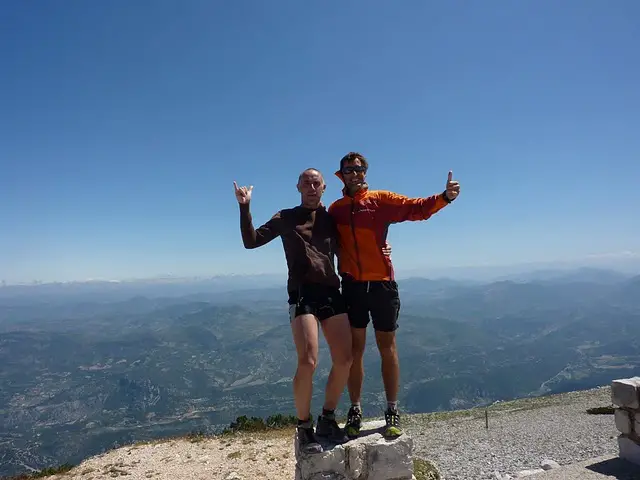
(616, 468)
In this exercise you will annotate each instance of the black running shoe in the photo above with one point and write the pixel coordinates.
(392, 420)
(328, 428)
(307, 441)
(354, 422)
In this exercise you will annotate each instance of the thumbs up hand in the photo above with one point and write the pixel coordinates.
(453, 187)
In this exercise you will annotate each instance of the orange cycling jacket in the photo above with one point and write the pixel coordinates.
(363, 221)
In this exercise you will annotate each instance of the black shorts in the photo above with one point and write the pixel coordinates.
(380, 299)
(319, 300)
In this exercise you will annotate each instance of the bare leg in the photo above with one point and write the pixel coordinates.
(356, 375)
(390, 364)
(337, 331)
(305, 337)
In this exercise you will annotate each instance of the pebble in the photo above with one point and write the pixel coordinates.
(549, 464)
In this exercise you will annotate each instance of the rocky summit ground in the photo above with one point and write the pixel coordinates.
(520, 436)
(241, 456)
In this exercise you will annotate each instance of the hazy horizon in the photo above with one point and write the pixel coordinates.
(627, 263)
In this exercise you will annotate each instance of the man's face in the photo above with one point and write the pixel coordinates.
(311, 185)
(354, 173)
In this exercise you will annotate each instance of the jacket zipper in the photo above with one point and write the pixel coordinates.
(355, 242)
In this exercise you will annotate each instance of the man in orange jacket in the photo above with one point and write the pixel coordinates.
(369, 288)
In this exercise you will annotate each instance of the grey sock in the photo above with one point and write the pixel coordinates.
(393, 406)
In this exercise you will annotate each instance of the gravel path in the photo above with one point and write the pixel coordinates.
(556, 428)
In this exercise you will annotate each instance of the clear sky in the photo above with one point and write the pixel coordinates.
(124, 124)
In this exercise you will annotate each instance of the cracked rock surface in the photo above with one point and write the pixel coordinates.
(369, 457)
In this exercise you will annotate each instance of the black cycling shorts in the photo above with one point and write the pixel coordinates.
(319, 300)
(377, 300)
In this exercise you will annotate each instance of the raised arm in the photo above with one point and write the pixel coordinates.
(399, 208)
(252, 238)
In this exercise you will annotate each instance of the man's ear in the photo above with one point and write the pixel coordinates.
(298, 187)
(324, 187)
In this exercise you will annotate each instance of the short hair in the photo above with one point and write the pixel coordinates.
(310, 170)
(352, 157)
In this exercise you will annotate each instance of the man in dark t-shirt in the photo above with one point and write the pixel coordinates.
(309, 239)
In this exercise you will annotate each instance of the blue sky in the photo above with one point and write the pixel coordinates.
(124, 124)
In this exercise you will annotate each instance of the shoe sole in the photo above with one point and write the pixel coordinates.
(312, 452)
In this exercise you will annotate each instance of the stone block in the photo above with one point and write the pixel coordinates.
(629, 450)
(626, 392)
(624, 421)
(368, 457)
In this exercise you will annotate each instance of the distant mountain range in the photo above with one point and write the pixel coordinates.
(89, 366)
(109, 291)
(180, 286)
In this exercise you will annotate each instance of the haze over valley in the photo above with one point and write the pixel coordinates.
(86, 366)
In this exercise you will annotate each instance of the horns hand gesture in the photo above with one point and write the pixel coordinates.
(243, 194)
(453, 187)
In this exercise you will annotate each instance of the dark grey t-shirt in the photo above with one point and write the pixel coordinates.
(309, 238)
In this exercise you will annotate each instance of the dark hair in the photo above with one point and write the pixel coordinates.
(352, 157)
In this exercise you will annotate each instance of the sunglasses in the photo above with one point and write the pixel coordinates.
(354, 169)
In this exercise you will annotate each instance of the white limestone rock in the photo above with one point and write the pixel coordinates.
(368, 457)
(625, 392)
(624, 421)
(629, 449)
